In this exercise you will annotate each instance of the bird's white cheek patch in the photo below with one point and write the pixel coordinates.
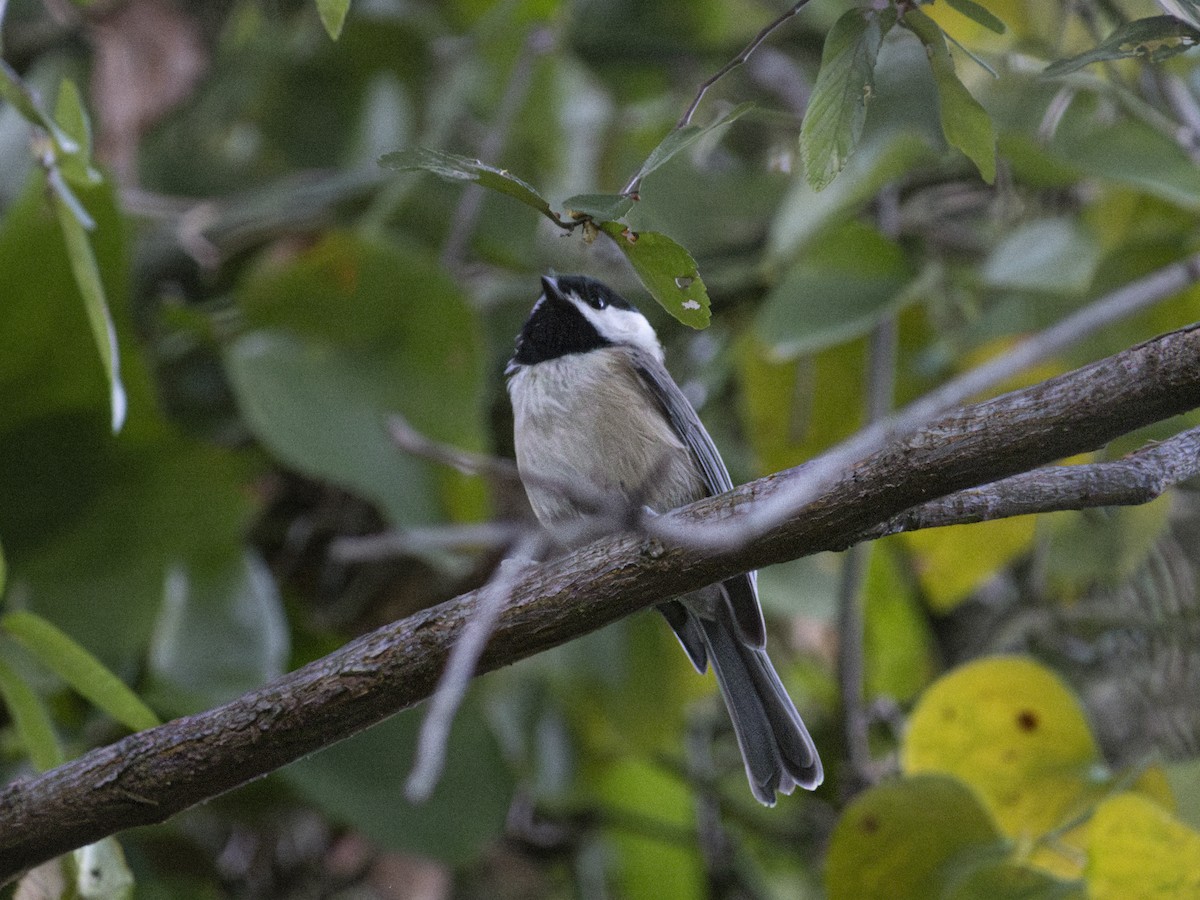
(623, 326)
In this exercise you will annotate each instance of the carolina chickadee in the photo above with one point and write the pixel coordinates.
(597, 415)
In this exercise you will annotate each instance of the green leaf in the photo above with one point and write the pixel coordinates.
(845, 85)
(79, 668)
(667, 270)
(1007, 880)
(13, 89)
(70, 113)
(902, 131)
(838, 289)
(965, 123)
(977, 13)
(317, 410)
(900, 840)
(679, 139)
(360, 782)
(793, 410)
(1187, 10)
(91, 288)
(898, 642)
(221, 631)
(452, 167)
(1153, 39)
(648, 867)
(1054, 255)
(1134, 154)
(601, 207)
(116, 516)
(333, 15)
(30, 720)
(334, 350)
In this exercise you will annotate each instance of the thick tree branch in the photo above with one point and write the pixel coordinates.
(147, 777)
(822, 473)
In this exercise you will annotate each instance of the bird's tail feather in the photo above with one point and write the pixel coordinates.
(776, 747)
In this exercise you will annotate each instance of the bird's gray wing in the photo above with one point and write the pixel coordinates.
(741, 591)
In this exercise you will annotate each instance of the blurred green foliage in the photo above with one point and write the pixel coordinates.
(207, 176)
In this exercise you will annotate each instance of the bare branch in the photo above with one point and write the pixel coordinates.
(460, 668)
(149, 776)
(686, 119)
(410, 541)
(412, 441)
(1140, 477)
(537, 44)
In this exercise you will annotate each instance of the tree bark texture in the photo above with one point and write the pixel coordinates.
(149, 776)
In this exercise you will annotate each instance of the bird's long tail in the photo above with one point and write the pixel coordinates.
(776, 747)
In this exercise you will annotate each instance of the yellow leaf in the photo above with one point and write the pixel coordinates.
(1139, 851)
(898, 643)
(794, 410)
(953, 562)
(1013, 731)
(648, 797)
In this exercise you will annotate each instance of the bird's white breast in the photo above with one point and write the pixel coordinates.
(586, 428)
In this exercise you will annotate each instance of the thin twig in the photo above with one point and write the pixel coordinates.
(412, 441)
(607, 513)
(686, 118)
(632, 187)
(539, 42)
(851, 665)
(409, 541)
(461, 666)
(601, 511)
(851, 661)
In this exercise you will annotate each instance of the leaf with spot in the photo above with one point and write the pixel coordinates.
(667, 270)
(1153, 39)
(1012, 730)
(897, 839)
(965, 123)
(845, 85)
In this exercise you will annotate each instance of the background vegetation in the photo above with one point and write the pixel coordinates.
(212, 297)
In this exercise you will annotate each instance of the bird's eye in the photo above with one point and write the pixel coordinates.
(599, 302)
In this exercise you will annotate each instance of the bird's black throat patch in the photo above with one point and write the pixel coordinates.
(556, 328)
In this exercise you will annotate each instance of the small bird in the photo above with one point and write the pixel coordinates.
(600, 425)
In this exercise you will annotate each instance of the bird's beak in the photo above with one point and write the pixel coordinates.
(550, 287)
